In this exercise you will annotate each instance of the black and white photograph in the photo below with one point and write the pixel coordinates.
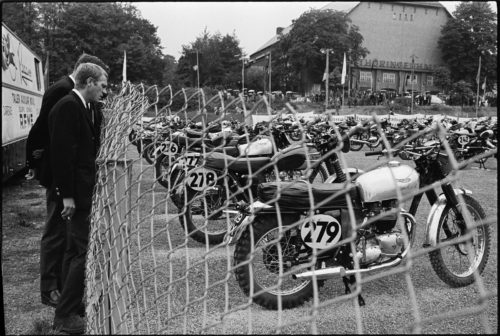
(257, 167)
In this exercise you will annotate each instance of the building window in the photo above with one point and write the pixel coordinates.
(411, 17)
(389, 78)
(365, 76)
(409, 81)
(406, 17)
(429, 81)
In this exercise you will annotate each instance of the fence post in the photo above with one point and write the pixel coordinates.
(116, 187)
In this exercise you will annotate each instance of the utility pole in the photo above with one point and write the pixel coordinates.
(243, 59)
(270, 95)
(412, 76)
(327, 51)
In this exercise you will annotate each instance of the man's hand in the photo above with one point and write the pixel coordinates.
(30, 175)
(37, 153)
(69, 208)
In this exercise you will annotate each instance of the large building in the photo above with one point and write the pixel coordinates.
(395, 34)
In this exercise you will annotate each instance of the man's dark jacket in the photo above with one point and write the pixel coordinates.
(74, 142)
(38, 137)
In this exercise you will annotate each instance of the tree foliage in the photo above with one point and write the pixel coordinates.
(218, 61)
(442, 78)
(65, 30)
(471, 33)
(316, 30)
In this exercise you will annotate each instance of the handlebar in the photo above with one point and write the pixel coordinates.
(375, 153)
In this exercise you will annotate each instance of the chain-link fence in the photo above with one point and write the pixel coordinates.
(192, 233)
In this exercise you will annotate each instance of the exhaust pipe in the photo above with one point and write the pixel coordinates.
(332, 272)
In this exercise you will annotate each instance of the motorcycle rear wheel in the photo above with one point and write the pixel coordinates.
(259, 264)
(451, 262)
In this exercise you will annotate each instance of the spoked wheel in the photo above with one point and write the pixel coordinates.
(356, 145)
(270, 256)
(203, 216)
(455, 264)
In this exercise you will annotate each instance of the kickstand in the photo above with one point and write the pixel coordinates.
(352, 280)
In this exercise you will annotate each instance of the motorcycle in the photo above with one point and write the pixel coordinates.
(365, 135)
(297, 233)
(466, 144)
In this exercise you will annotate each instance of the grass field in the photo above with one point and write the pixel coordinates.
(192, 288)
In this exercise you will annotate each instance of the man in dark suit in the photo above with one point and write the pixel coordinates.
(37, 156)
(73, 149)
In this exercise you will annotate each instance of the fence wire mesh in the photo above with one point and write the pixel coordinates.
(191, 233)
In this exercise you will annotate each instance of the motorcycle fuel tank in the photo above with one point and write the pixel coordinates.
(381, 184)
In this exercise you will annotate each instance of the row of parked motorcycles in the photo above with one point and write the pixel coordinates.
(278, 193)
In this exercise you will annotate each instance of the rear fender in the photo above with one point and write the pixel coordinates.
(432, 225)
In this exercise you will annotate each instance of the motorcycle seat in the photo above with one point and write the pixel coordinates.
(190, 133)
(218, 160)
(295, 195)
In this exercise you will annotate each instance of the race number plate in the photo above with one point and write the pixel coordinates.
(201, 178)
(167, 148)
(192, 159)
(320, 231)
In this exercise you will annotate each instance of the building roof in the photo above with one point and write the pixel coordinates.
(347, 7)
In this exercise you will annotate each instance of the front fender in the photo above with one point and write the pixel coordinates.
(432, 225)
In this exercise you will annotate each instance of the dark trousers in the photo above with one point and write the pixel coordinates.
(74, 266)
(52, 246)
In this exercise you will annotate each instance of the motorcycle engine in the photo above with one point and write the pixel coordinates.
(382, 239)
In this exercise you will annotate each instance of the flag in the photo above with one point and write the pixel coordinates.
(344, 72)
(324, 77)
(478, 72)
(124, 71)
(46, 72)
(484, 84)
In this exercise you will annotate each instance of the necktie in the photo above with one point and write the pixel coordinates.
(90, 111)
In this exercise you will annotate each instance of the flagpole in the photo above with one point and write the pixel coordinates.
(477, 82)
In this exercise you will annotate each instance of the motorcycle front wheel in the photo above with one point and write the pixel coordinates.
(259, 266)
(455, 264)
(148, 152)
(203, 217)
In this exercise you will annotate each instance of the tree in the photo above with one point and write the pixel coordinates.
(461, 93)
(442, 78)
(218, 61)
(66, 30)
(315, 30)
(471, 33)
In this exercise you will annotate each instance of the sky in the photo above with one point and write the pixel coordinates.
(253, 23)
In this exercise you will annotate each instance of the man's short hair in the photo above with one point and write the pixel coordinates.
(86, 58)
(86, 70)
